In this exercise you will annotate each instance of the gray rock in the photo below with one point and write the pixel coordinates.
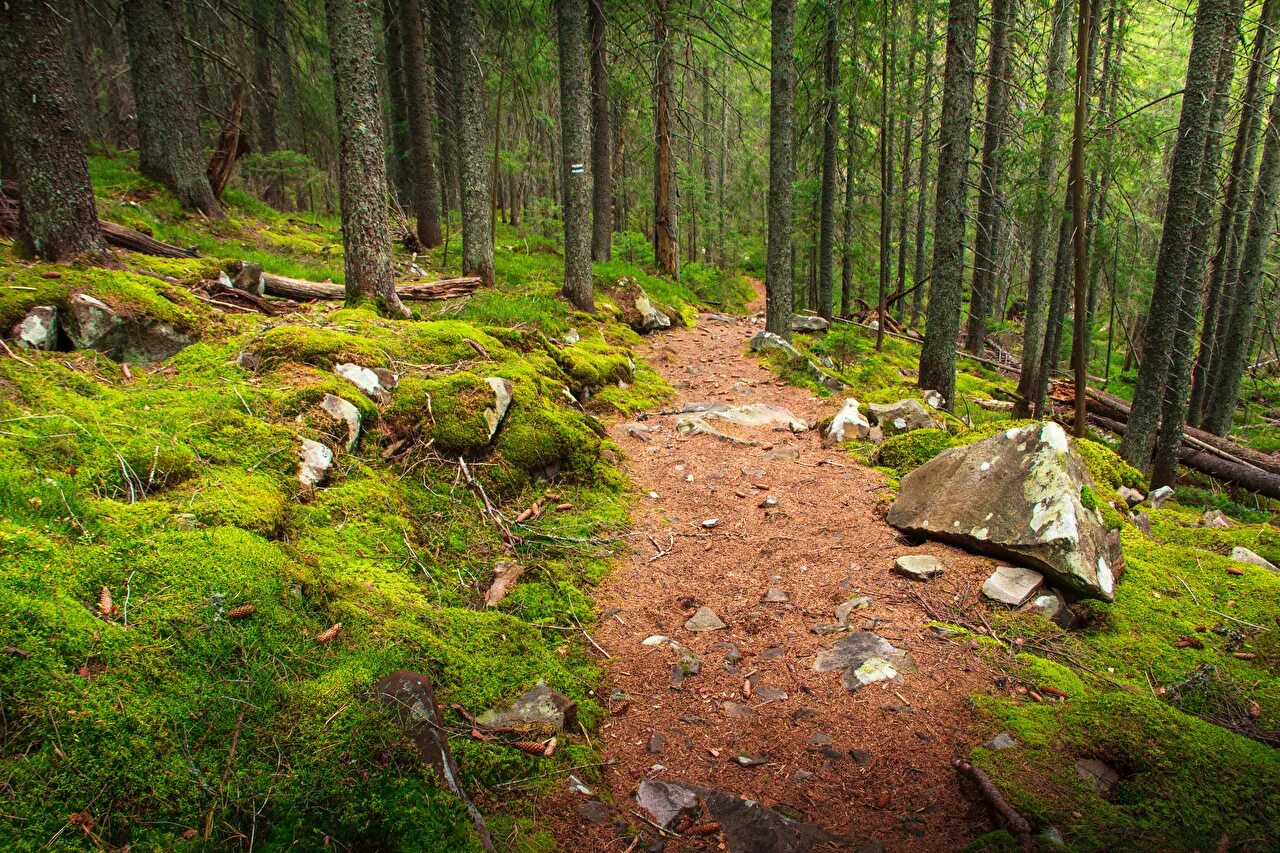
(1132, 497)
(38, 330)
(594, 811)
(1051, 605)
(843, 611)
(665, 803)
(864, 658)
(903, 416)
(705, 619)
(1142, 521)
(934, 399)
(651, 319)
(1002, 741)
(366, 379)
(250, 361)
(750, 760)
(540, 704)
(1215, 518)
(343, 411)
(1243, 555)
(995, 405)
(919, 567)
(410, 700)
(782, 454)
(1015, 496)
(657, 742)
(1053, 836)
(761, 415)
(315, 461)
(849, 424)
(571, 336)
(494, 414)
(1103, 776)
(806, 323)
(765, 341)
(737, 710)
(1160, 495)
(775, 596)
(1012, 585)
(92, 324)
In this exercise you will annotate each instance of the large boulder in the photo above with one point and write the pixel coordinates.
(806, 323)
(1019, 495)
(849, 424)
(92, 324)
(39, 329)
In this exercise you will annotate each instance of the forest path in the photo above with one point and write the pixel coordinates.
(823, 543)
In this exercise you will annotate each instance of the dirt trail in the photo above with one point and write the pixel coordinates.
(824, 543)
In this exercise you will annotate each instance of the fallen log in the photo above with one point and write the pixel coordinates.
(1009, 816)
(1240, 474)
(123, 237)
(301, 289)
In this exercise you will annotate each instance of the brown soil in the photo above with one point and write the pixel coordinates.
(823, 543)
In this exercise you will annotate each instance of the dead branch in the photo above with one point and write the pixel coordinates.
(1016, 823)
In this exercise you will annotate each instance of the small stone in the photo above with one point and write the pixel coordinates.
(316, 460)
(1216, 519)
(1132, 497)
(1053, 836)
(781, 454)
(39, 329)
(861, 757)
(594, 811)
(709, 523)
(1142, 521)
(250, 361)
(704, 619)
(1243, 555)
(750, 760)
(769, 503)
(801, 775)
(1012, 585)
(344, 412)
(1103, 776)
(995, 405)
(366, 379)
(571, 336)
(1002, 741)
(849, 424)
(864, 658)
(657, 742)
(736, 710)
(494, 414)
(665, 802)
(934, 399)
(1160, 495)
(775, 596)
(919, 567)
(903, 416)
(765, 694)
(540, 704)
(773, 652)
(1050, 604)
(843, 611)
(637, 431)
(820, 739)
(729, 652)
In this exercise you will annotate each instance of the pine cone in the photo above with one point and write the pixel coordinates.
(105, 605)
(531, 747)
(243, 611)
(329, 633)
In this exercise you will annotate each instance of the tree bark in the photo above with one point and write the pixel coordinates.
(57, 214)
(666, 232)
(265, 98)
(1173, 410)
(938, 354)
(421, 114)
(602, 136)
(1236, 339)
(990, 176)
(922, 175)
(1042, 222)
(1176, 234)
(446, 140)
(362, 168)
(1235, 206)
(477, 245)
(782, 90)
(904, 194)
(847, 297)
(1059, 299)
(887, 63)
(1079, 249)
(169, 149)
(575, 148)
(827, 203)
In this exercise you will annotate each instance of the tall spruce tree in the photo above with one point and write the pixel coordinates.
(468, 101)
(782, 92)
(575, 150)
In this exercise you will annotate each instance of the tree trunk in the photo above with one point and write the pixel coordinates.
(1079, 214)
(1217, 307)
(938, 354)
(446, 138)
(1042, 230)
(782, 92)
(666, 232)
(990, 176)
(1059, 299)
(602, 137)
(827, 203)
(922, 175)
(1236, 338)
(57, 214)
(362, 170)
(1176, 234)
(477, 245)
(421, 115)
(887, 63)
(575, 148)
(1173, 410)
(904, 195)
(169, 149)
(265, 98)
(847, 297)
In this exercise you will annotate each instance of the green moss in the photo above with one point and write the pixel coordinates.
(1106, 467)
(907, 451)
(1088, 498)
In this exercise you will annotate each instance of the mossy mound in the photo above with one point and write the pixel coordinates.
(907, 451)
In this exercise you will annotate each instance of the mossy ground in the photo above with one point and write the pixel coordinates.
(168, 724)
(1193, 727)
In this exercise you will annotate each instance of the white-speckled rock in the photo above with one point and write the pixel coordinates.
(849, 424)
(1015, 496)
(903, 416)
(346, 412)
(315, 461)
(494, 414)
(39, 329)
(368, 380)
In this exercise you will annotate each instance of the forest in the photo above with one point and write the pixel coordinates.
(755, 425)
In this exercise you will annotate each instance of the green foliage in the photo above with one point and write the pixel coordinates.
(907, 451)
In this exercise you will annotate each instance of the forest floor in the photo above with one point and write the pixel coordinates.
(824, 543)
